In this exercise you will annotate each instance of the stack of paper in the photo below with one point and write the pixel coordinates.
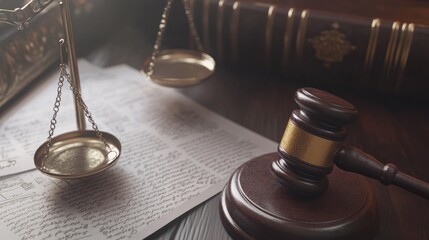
(175, 155)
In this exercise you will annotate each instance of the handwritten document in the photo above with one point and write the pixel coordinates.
(175, 155)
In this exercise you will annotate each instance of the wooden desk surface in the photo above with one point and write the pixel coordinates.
(392, 131)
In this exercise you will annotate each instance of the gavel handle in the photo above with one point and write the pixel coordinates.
(354, 160)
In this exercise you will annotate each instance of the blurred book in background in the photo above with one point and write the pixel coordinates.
(367, 45)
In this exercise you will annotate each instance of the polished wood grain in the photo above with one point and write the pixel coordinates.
(392, 130)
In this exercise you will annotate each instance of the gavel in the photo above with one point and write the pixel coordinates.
(313, 143)
(297, 193)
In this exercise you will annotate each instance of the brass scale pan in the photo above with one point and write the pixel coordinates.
(77, 154)
(180, 67)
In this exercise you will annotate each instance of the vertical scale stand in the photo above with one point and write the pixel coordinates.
(83, 152)
(74, 70)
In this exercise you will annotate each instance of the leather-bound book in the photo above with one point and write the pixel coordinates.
(321, 47)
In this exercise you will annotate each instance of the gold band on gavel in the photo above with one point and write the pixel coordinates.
(307, 147)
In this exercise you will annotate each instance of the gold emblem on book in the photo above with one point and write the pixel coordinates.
(331, 46)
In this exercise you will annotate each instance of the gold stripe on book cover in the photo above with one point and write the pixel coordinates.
(234, 31)
(390, 53)
(300, 38)
(397, 53)
(372, 45)
(269, 28)
(408, 39)
(288, 39)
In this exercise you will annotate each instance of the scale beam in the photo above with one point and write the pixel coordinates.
(19, 17)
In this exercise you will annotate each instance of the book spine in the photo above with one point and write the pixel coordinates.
(321, 48)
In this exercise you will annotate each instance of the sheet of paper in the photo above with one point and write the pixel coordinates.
(175, 155)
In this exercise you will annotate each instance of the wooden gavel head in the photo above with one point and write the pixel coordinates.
(314, 134)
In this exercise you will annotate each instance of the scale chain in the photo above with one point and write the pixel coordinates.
(159, 36)
(192, 27)
(65, 75)
(88, 114)
(56, 109)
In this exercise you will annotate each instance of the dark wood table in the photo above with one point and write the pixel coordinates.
(392, 130)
